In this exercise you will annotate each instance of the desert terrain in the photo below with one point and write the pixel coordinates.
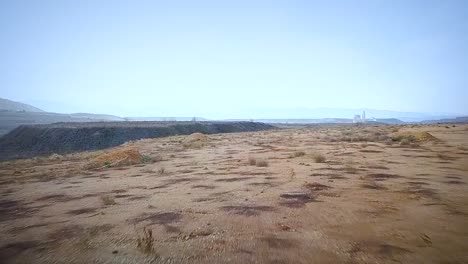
(325, 194)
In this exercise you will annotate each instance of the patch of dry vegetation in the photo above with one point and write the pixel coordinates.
(298, 154)
(145, 241)
(115, 158)
(258, 162)
(319, 158)
(262, 163)
(406, 138)
(350, 169)
(161, 171)
(108, 200)
(195, 140)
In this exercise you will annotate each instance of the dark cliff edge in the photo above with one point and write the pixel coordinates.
(28, 141)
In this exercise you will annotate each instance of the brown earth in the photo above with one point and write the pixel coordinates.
(341, 194)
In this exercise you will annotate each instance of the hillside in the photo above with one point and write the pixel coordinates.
(31, 140)
(8, 105)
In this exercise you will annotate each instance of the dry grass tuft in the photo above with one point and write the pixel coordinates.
(350, 169)
(258, 162)
(108, 200)
(195, 140)
(298, 154)
(319, 158)
(262, 163)
(162, 171)
(145, 242)
(115, 158)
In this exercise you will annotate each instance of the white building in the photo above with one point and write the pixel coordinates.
(357, 119)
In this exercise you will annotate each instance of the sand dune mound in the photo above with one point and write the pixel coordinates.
(115, 158)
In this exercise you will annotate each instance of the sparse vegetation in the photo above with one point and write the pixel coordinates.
(173, 197)
(162, 171)
(319, 158)
(115, 158)
(298, 154)
(261, 163)
(350, 169)
(443, 156)
(108, 200)
(195, 141)
(258, 162)
(146, 159)
(405, 141)
(145, 241)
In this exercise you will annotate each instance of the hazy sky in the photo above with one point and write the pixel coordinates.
(219, 58)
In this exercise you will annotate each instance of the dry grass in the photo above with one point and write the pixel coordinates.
(161, 171)
(298, 154)
(350, 169)
(145, 241)
(409, 137)
(319, 158)
(195, 140)
(108, 200)
(262, 163)
(115, 158)
(257, 162)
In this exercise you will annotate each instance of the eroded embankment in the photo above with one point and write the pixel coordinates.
(32, 140)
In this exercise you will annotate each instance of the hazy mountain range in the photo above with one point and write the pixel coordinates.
(8, 105)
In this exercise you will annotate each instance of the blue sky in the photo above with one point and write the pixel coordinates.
(229, 59)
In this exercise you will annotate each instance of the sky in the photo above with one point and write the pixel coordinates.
(234, 59)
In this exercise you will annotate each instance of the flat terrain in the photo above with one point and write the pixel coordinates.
(341, 194)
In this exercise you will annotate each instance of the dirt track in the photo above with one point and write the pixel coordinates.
(316, 197)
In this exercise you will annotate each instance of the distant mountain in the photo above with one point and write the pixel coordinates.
(98, 116)
(8, 105)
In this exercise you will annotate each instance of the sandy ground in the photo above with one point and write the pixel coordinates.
(318, 198)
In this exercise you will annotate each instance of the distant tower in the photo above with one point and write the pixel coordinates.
(363, 116)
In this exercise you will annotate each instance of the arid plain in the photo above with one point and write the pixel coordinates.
(325, 194)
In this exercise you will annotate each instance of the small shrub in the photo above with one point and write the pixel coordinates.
(404, 139)
(107, 164)
(298, 154)
(145, 242)
(405, 142)
(443, 156)
(146, 159)
(262, 163)
(252, 161)
(162, 171)
(350, 169)
(108, 200)
(319, 158)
